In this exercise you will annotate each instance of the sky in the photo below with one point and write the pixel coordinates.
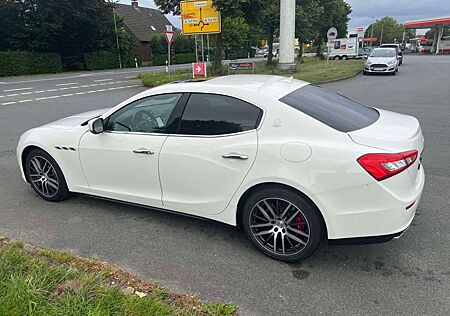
(365, 10)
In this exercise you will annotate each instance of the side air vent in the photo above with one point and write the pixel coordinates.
(65, 148)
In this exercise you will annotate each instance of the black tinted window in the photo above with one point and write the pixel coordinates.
(331, 109)
(210, 114)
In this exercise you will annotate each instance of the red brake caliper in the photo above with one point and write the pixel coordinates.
(298, 219)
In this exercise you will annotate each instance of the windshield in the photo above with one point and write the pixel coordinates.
(383, 53)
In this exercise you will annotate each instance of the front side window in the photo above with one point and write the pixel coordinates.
(211, 114)
(148, 115)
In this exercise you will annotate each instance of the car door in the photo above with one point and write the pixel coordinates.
(122, 162)
(204, 163)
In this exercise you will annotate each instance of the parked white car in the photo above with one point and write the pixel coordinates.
(289, 162)
(382, 60)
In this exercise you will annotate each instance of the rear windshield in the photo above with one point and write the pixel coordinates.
(331, 109)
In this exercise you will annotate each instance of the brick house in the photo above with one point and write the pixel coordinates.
(141, 23)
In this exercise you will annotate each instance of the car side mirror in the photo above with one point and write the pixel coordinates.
(96, 125)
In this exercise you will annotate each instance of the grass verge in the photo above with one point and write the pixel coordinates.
(311, 69)
(36, 281)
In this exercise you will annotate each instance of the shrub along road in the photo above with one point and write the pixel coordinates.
(409, 275)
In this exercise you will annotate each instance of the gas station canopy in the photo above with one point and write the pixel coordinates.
(428, 23)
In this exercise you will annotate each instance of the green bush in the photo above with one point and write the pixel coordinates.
(159, 60)
(27, 63)
(101, 60)
(184, 58)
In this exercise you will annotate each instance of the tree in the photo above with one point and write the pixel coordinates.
(268, 20)
(391, 30)
(67, 27)
(335, 14)
(430, 34)
(307, 17)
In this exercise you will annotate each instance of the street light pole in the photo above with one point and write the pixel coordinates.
(117, 39)
(287, 36)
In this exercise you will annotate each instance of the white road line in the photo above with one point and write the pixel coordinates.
(72, 94)
(51, 90)
(12, 95)
(25, 93)
(66, 84)
(20, 89)
(99, 80)
(40, 91)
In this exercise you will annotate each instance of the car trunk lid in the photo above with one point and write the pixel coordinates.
(395, 133)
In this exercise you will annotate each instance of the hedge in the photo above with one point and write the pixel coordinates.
(159, 60)
(101, 60)
(184, 58)
(28, 63)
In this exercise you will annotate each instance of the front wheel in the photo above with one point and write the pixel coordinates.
(282, 224)
(45, 176)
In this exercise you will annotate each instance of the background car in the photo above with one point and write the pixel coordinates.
(399, 50)
(288, 162)
(381, 60)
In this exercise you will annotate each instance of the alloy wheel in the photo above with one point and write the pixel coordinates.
(43, 176)
(279, 226)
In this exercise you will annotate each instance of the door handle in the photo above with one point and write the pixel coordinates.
(143, 151)
(235, 156)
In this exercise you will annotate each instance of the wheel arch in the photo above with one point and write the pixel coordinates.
(264, 185)
(23, 158)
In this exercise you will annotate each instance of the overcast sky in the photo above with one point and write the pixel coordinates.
(365, 10)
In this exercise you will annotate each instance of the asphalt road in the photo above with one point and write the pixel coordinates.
(406, 276)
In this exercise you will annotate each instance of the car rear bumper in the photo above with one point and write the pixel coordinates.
(369, 211)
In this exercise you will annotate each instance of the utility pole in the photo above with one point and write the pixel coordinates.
(117, 39)
(381, 37)
(287, 36)
(371, 32)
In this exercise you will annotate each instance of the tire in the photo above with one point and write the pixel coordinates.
(336, 58)
(394, 73)
(344, 58)
(294, 232)
(364, 73)
(45, 176)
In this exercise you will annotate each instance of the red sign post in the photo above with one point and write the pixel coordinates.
(198, 70)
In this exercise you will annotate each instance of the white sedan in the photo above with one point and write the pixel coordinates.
(289, 162)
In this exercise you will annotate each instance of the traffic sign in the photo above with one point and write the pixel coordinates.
(198, 70)
(169, 37)
(199, 17)
(332, 33)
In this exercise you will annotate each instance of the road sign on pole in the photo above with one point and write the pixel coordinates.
(198, 70)
(360, 31)
(199, 17)
(331, 35)
(169, 37)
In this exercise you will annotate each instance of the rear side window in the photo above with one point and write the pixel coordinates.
(331, 109)
(212, 114)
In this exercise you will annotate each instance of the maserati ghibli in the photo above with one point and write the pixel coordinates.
(288, 162)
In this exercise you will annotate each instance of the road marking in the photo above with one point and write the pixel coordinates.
(41, 91)
(25, 93)
(100, 80)
(66, 84)
(12, 95)
(20, 89)
(72, 94)
(51, 90)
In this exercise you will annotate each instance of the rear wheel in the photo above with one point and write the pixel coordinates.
(336, 58)
(282, 224)
(344, 57)
(45, 176)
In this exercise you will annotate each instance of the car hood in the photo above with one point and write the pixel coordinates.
(380, 60)
(75, 120)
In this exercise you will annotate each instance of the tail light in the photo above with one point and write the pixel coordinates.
(383, 166)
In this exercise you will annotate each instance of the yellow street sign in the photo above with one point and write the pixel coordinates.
(199, 17)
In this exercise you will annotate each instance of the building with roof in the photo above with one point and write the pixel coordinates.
(141, 23)
(440, 43)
